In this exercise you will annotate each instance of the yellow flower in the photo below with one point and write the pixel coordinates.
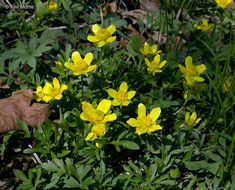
(192, 120)
(79, 65)
(192, 72)
(51, 6)
(150, 50)
(39, 94)
(204, 26)
(143, 123)
(223, 3)
(97, 130)
(121, 97)
(98, 115)
(155, 66)
(54, 91)
(102, 35)
(226, 85)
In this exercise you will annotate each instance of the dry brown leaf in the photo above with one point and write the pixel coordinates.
(134, 14)
(5, 86)
(18, 107)
(110, 8)
(150, 5)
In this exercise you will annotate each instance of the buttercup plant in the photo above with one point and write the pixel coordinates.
(204, 26)
(102, 36)
(150, 50)
(191, 72)
(155, 66)
(122, 97)
(192, 120)
(145, 123)
(50, 92)
(80, 66)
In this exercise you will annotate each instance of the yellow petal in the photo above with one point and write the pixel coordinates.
(101, 43)
(47, 98)
(147, 62)
(123, 87)
(110, 117)
(157, 58)
(155, 114)
(153, 128)
(201, 68)
(141, 111)
(56, 83)
(47, 88)
(112, 93)
(95, 28)
(188, 61)
(162, 63)
(131, 94)
(146, 47)
(132, 122)
(104, 105)
(39, 88)
(91, 136)
(92, 38)
(111, 39)
(197, 121)
(88, 58)
(76, 57)
(58, 97)
(199, 79)
(193, 117)
(69, 65)
(154, 48)
(63, 88)
(90, 68)
(182, 68)
(141, 130)
(111, 29)
(83, 116)
(87, 108)
(126, 102)
(116, 103)
(186, 116)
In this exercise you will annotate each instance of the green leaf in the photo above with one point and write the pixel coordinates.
(50, 166)
(20, 175)
(24, 127)
(71, 183)
(129, 144)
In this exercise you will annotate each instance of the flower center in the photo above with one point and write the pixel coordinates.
(103, 34)
(54, 92)
(99, 115)
(192, 71)
(145, 122)
(83, 65)
(121, 96)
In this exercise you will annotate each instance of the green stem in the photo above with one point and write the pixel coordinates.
(61, 113)
(82, 85)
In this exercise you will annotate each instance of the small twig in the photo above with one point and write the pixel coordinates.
(35, 155)
(58, 28)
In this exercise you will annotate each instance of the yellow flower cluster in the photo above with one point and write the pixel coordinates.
(50, 92)
(97, 117)
(204, 26)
